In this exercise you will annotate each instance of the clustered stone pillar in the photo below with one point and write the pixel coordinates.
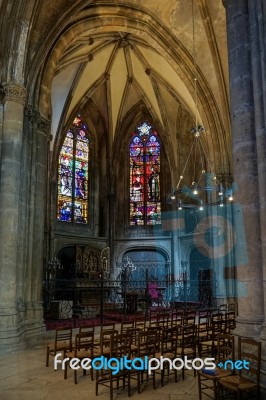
(243, 110)
(247, 65)
(41, 202)
(14, 97)
(37, 198)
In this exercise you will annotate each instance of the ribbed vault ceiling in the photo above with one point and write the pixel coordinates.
(134, 72)
(118, 55)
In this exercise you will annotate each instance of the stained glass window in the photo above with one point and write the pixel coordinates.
(144, 149)
(72, 201)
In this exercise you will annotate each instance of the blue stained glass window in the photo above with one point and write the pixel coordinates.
(73, 166)
(144, 154)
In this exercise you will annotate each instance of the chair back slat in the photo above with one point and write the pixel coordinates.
(250, 350)
(84, 341)
(122, 345)
(126, 325)
(225, 347)
(63, 335)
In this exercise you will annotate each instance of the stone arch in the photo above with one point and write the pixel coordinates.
(160, 39)
(140, 256)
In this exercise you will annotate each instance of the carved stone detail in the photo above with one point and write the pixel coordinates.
(28, 111)
(14, 92)
(43, 125)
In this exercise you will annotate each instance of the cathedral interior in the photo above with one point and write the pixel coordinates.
(132, 161)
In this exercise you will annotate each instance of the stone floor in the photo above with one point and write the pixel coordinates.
(23, 376)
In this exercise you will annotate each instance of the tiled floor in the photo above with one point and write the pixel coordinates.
(23, 376)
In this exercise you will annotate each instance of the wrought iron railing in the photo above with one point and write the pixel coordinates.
(81, 298)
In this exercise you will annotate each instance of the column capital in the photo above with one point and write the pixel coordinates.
(14, 92)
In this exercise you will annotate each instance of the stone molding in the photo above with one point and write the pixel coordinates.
(14, 92)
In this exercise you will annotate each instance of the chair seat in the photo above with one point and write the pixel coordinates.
(219, 374)
(203, 333)
(235, 382)
(105, 376)
(102, 352)
(187, 350)
(165, 355)
(209, 343)
(134, 347)
(59, 346)
(79, 354)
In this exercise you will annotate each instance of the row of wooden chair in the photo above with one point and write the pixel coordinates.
(171, 342)
(154, 342)
(204, 330)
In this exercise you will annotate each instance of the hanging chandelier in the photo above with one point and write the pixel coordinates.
(206, 188)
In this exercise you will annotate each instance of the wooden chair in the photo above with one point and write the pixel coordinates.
(125, 325)
(154, 335)
(233, 307)
(140, 322)
(152, 319)
(187, 342)
(223, 308)
(177, 318)
(217, 316)
(62, 343)
(245, 381)
(120, 345)
(163, 319)
(168, 350)
(209, 347)
(230, 317)
(104, 328)
(203, 325)
(104, 347)
(108, 327)
(189, 319)
(208, 379)
(147, 341)
(84, 347)
(134, 333)
(83, 329)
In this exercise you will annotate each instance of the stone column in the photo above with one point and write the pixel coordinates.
(243, 121)
(258, 63)
(37, 217)
(10, 211)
